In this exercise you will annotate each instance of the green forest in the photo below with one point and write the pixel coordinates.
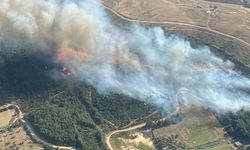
(237, 124)
(66, 112)
(62, 111)
(64, 121)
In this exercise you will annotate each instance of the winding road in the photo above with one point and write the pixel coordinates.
(108, 137)
(20, 116)
(118, 14)
(126, 18)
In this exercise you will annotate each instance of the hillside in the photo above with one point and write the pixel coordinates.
(63, 113)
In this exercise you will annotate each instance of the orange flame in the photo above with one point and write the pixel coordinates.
(70, 53)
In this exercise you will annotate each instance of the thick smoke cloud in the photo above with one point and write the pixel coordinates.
(139, 62)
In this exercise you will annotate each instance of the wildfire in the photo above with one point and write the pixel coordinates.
(71, 53)
(65, 53)
(66, 71)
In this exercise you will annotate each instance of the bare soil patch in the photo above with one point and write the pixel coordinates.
(5, 117)
(17, 138)
(133, 141)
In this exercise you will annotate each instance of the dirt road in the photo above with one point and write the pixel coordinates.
(108, 137)
(174, 23)
(30, 129)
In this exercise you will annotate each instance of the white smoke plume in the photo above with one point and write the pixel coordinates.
(139, 62)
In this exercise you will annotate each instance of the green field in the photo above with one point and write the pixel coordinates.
(199, 129)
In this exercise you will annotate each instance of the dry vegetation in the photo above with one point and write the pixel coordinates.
(227, 18)
(231, 19)
(132, 141)
(5, 117)
(16, 138)
(12, 134)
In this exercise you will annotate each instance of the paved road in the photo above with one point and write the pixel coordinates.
(173, 23)
(108, 137)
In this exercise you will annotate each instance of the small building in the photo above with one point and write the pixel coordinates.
(237, 144)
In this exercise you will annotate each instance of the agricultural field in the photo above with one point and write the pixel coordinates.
(199, 129)
(229, 19)
(226, 18)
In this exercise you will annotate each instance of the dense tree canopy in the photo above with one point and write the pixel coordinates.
(64, 121)
(62, 112)
(237, 124)
(121, 109)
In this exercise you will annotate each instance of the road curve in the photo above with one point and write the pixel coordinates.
(108, 137)
(129, 19)
(30, 129)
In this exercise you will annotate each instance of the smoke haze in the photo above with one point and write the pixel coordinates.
(139, 62)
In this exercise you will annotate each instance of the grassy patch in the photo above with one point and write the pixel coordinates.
(199, 129)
